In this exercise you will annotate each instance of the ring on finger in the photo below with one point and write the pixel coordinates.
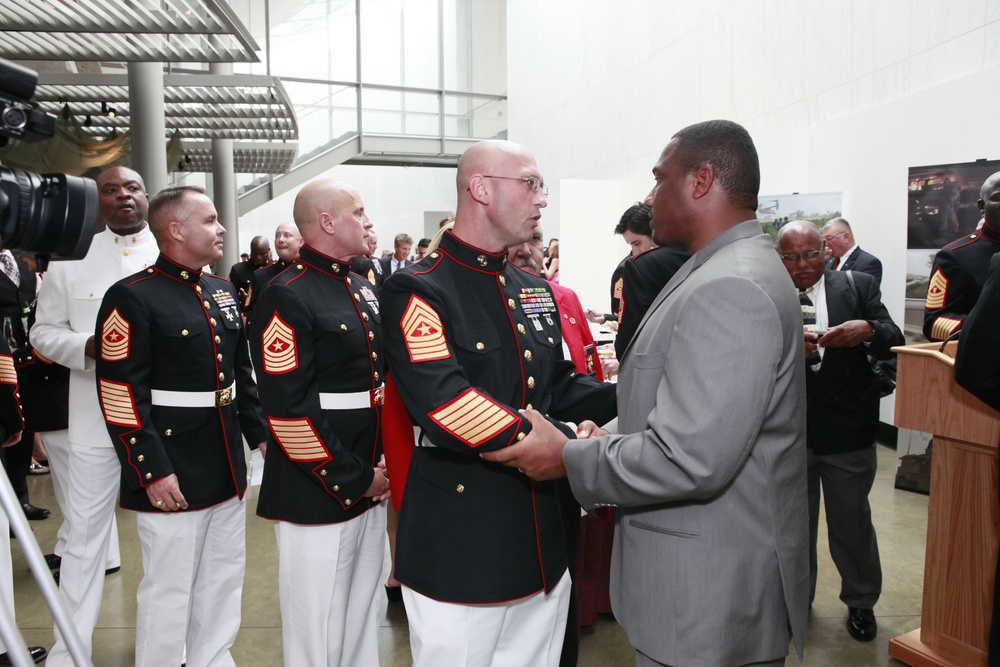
(159, 503)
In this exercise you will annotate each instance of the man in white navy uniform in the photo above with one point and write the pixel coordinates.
(64, 332)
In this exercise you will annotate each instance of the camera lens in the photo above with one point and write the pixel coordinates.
(51, 215)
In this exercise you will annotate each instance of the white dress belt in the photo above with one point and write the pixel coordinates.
(193, 399)
(352, 400)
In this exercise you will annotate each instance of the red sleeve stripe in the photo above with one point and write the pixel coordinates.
(298, 439)
(118, 404)
(473, 418)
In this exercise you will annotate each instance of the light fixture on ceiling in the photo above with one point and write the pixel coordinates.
(66, 113)
(108, 111)
(113, 134)
(87, 122)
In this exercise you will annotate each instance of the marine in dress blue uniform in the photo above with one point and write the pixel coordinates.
(470, 341)
(960, 270)
(317, 347)
(175, 385)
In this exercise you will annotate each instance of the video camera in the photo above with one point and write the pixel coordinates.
(49, 216)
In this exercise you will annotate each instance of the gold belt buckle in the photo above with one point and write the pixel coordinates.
(223, 397)
(377, 396)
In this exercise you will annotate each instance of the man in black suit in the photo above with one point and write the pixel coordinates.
(845, 254)
(400, 256)
(848, 323)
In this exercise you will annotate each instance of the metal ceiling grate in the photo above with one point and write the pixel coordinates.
(124, 30)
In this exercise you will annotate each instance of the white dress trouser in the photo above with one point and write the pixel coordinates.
(192, 587)
(328, 576)
(94, 479)
(6, 570)
(57, 449)
(528, 631)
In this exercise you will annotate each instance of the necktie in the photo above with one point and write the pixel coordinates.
(809, 318)
(836, 263)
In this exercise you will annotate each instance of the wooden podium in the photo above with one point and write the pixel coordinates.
(962, 515)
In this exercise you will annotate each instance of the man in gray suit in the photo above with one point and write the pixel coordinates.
(710, 563)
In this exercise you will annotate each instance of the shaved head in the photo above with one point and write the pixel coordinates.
(488, 157)
(501, 194)
(331, 218)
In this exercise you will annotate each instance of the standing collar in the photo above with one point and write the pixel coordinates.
(324, 263)
(471, 256)
(174, 270)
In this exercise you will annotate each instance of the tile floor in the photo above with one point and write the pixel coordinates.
(900, 518)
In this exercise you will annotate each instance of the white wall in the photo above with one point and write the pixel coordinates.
(839, 95)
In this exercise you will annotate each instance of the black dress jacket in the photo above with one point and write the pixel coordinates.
(317, 347)
(469, 342)
(843, 396)
(173, 329)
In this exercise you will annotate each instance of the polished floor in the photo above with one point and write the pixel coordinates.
(900, 518)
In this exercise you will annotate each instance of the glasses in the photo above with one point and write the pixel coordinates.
(792, 259)
(827, 239)
(534, 183)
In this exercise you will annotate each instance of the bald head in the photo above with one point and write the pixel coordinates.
(803, 227)
(287, 241)
(124, 203)
(488, 157)
(331, 218)
(989, 201)
(500, 195)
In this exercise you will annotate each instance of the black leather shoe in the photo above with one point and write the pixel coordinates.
(34, 514)
(37, 654)
(53, 561)
(861, 624)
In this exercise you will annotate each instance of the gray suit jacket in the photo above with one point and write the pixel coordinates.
(710, 561)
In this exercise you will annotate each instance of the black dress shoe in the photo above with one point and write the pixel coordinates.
(37, 654)
(34, 514)
(861, 624)
(54, 561)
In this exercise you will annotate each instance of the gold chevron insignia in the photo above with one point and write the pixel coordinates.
(423, 332)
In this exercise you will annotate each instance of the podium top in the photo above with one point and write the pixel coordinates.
(928, 398)
(932, 350)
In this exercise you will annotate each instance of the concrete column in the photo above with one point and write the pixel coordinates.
(149, 127)
(224, 190)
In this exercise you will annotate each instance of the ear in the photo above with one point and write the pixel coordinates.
(478, 189)
(703, 177)
(982, 206)
(175, 231)
(327, 224)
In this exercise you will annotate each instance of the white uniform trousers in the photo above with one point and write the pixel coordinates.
(192, 586)
(57, 449)
(94, 479)
(328, 577)
(528, 631)
(6, 570)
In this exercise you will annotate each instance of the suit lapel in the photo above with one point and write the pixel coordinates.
(840, 303)
(853, 257)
